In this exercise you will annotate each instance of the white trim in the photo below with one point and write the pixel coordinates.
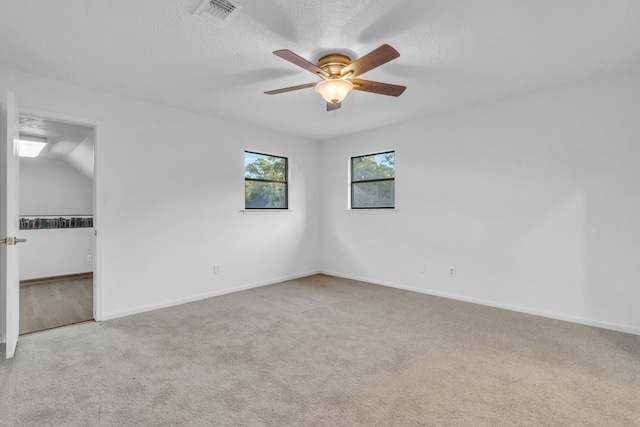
(541, 313)
(265, 211)
(519, 309)
(179, 301)
(97, 200)
(372, 211)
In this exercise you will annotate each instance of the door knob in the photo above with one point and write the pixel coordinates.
(9, 241)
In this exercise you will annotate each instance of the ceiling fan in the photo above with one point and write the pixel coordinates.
(339, 74)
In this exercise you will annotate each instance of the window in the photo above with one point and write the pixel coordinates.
(373, 181)
(265, 181)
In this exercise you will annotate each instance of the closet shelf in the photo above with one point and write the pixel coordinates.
(48, 222)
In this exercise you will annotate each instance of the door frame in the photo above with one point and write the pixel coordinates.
(97, 200)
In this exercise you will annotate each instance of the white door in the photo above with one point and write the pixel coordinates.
(9, 171)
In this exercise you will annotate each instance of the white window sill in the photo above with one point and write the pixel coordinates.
(372, 211)
(265, 211)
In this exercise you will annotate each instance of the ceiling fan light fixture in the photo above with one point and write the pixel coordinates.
(334, 90)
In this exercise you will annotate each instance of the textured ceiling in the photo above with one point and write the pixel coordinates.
(454, 53)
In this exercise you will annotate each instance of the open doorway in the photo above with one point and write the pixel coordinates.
(56, 217)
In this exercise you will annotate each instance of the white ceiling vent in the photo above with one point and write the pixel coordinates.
(218, 11)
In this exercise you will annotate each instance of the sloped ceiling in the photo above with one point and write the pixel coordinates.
(454, 53)
(67, 142)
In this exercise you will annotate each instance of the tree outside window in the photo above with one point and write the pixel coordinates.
(265, 181)
(373, 181)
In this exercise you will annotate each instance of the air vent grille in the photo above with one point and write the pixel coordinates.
(218, 11)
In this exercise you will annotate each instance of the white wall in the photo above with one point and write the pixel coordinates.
(50, 187)
(534, 200)
(55, 252)
(170, 191)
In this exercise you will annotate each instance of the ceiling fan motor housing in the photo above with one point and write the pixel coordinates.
(333, 63)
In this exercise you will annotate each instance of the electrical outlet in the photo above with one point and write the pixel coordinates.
(89, 258)
(216, 269)
(423, 269)
(452, 271)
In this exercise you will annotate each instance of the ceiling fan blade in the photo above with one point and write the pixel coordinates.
(371, 60)
(289, 89)
(331, 106)
(300, 62)
(377, 87)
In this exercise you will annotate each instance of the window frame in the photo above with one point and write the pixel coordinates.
(352, 182)
(285, 182)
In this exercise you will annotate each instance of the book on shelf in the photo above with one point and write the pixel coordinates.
(45, 223)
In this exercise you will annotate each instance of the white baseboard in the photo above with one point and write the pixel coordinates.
(527, 310)
(185, 300)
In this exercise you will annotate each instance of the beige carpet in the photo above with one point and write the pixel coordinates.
(323, 351)
(55, 303)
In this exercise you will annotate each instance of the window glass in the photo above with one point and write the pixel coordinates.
(373, 181)
(265, 181)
